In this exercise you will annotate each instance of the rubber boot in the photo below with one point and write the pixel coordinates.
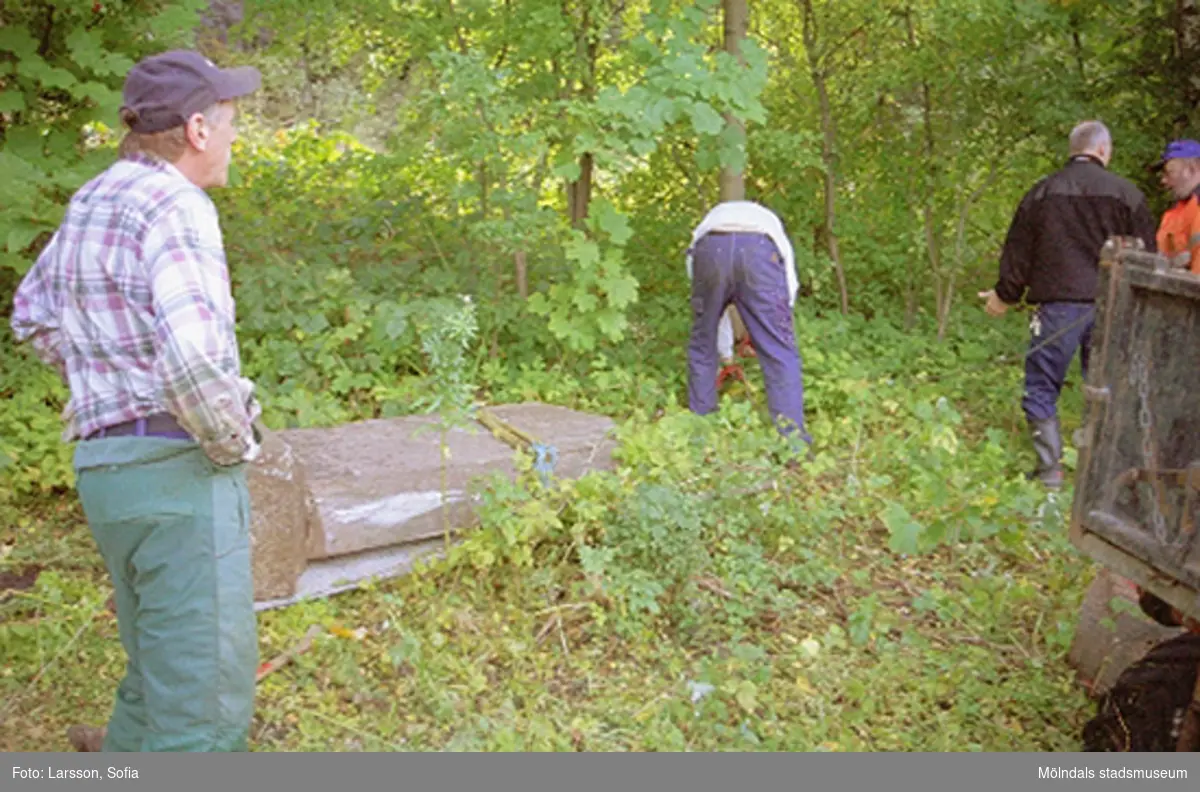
(1047, 444)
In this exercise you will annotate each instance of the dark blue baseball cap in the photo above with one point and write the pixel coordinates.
(165, 90)
(1179, 149)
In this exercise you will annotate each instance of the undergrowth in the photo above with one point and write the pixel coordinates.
(902, 589)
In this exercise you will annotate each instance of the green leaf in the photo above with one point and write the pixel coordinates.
(707, 156)
(55, 77)
(99, 93)
(85, 48)
(537, 304)
(115, 64)
(562, 327)
(733, 157)
(26, 143)
(583, 251)
(17, 175)
(49, 76)
(88, 51)
(659, 114)
(611, 222)
(643, 147)
(12, 101)
(20, 237)
(32, 67)
(905, 531)
(706, 120)
(568, 170)
(753, 113)
(61, 145)
(746, 695)
(17, 41)
(622, 290)
(585, 301)
(175, 23)
(862, 619)
(11, 261)
(397, 325)
(612, 323)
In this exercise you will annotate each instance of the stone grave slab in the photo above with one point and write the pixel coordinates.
(334, 507)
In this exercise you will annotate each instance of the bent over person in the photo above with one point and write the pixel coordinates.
(740, 255)
(1051, 259)
(131, 302)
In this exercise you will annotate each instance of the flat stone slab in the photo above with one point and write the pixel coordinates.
(323, 494)
(325, 578)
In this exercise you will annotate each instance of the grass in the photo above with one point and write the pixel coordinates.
(806, 623)
(955, 650)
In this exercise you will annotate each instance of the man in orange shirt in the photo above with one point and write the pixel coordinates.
(1179, 232)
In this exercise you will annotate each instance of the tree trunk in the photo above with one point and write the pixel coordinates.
(587, 49)
(484, 180)
(935, 257)
(828, 146)
(519, 256)
(1187, 43)
(579, 192)
(932, 243)
(522, 274)
(910, 296)
(733, 182)
(960, 249)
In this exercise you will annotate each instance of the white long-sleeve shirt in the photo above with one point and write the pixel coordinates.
(749, 217)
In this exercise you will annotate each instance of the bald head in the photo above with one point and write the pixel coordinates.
(1093, 138)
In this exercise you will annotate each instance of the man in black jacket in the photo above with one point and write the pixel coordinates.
(1051, 259)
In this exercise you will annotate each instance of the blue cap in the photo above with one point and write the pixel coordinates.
(164, 90)
(1179, 149)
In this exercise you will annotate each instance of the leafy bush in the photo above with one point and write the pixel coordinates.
(61, 71)
(33, 458)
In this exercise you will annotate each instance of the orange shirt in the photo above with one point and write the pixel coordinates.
(1179, 233)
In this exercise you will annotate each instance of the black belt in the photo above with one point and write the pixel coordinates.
(158, 425)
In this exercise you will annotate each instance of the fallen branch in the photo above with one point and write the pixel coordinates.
(281, 660)
(547, 627)
(568, 606)
(714, 586)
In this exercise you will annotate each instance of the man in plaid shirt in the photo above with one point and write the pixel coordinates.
(131, 302)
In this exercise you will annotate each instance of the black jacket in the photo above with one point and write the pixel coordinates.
(1053, 244)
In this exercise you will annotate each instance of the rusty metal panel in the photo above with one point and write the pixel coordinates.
(1137, 485)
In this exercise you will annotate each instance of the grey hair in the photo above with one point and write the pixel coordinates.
(169, 145)
(1088, 136)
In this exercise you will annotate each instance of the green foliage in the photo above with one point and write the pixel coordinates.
(61, 70)
(447, 329)
(33, 458)
(402, 177)
(593, 304)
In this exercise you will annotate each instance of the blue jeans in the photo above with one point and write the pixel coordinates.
(746, 270)
(1070, 326)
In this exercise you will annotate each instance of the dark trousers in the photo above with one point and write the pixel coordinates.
(1059, 329)
(748, 271)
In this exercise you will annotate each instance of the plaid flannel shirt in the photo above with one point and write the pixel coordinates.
(131, 302)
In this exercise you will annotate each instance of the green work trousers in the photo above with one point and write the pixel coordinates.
(174, 531)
